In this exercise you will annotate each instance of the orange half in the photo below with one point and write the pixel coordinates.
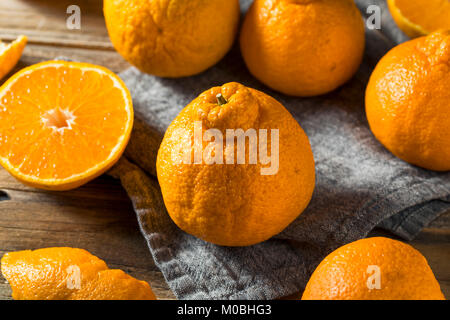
(420, 17)
(63, 123)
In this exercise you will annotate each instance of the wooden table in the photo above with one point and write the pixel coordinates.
(98, 216)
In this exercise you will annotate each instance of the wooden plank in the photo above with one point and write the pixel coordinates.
(434, 243)
(45, 22)
(37, 53)
(97, 217)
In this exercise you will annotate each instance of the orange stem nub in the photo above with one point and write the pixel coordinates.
(221, 100)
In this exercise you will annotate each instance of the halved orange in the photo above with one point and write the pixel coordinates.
(63, 123)
(420, 17)
(10, 54)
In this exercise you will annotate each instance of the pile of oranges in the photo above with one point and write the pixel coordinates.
(64, 123)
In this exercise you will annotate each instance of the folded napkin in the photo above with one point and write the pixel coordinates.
(360, 185)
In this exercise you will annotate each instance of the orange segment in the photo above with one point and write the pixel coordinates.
(63, 123)
(420, 17)
(10, 54)
(68, 274)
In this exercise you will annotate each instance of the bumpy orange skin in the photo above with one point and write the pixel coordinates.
(420, 17)
(172, 38)
(43, 275)
(408, 101)
(343, 274)
(303, 47)
(233, 204)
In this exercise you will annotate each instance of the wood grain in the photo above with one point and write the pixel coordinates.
(98, 216)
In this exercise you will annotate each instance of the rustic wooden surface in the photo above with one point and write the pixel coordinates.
(99, 217)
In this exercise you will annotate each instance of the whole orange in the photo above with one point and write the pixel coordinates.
(68, 274)
(373, 269)
(235, 203)
(407, 101)
(303, 47)
(172, 38)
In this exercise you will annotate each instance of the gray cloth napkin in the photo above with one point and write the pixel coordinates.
(359, 183)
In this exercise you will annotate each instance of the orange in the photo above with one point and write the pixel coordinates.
(407, 101)
(10, 54)
(303, 47)
(68, 274)
(172, 38)
(235, 203)
(420, 17)
(63, 123)
(373, 269)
